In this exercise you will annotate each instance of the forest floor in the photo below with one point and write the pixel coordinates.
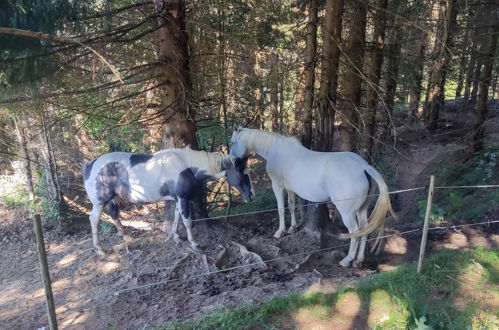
(90, 290)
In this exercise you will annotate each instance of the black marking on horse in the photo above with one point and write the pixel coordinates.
(87, 169)
(226, 164)
(167, 188)
(187, 185)
(112, 180)
(201, 175)
(136, 159)
(113, 210)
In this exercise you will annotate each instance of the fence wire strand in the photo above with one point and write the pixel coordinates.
(148, 285)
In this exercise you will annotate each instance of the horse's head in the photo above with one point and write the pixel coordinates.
(237, 147)
(238, 176)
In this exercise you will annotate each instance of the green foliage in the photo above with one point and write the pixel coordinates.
(418, 301)
(13, 195)
(20, 61)
(437, 213)
(469, 203)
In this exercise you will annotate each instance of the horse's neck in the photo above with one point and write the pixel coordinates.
(285, 145)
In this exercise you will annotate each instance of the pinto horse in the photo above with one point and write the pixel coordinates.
(173, 174)
(343, 177)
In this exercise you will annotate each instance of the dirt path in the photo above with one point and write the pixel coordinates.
(88, 289)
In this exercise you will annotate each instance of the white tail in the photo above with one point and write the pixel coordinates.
(376, 221)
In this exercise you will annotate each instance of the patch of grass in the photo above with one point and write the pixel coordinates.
(264, 200)
(400, 299)
(466, 203)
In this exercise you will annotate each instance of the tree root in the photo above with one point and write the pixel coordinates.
(250, 255)
(205, 262)
(176, 265)
(302, 263)
(220, 260)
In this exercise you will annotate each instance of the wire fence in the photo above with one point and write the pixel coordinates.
(310, 252)
(248, 265)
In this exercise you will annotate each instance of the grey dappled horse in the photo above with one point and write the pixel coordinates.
(174, 174)
(343, 177)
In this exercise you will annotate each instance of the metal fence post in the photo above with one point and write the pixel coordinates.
(426, 222)
(44, 269)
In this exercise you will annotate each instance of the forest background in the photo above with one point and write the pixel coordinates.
(83, 78)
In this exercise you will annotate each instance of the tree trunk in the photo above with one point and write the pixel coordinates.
(354, 54)
(488, 51)
(389, 79)
(298, 101)
(373, 75)
(324, 120)
(310, 51)
(470, 70)
(314, 217)
(53, 191)
(179, 113)
(173, 57)
(419, 61)
(437, 80)
(24, 153)
(274, 77)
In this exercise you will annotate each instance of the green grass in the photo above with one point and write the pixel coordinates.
(400, 299)
(468, 203)
(264, 200)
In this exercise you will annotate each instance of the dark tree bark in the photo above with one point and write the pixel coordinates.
(488, 50)
(472, 63)
(179, 112)
(314, 217)
(310, 52)
(173, 57)
(436, 84)
(419, 61)
(389, 79)
(25, 156)
(274, 77)
(354, 54)
(53, 190)
(324, 120)
(373, 72)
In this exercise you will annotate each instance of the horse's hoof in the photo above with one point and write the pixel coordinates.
(345, 263)
(177, 239)
(278, 234)
(195, 247)
(292, 230)
(357, 264)
(101, 252)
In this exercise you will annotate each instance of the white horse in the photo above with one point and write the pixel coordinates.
(175, 174)
(343, 177)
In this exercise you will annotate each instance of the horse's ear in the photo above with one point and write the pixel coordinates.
(248, 156)
(234, 127)
(239, 128)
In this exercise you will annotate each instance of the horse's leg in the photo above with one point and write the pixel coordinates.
(186, 218)
(114, 212)
(94, 222)
(362, 220)
(279, 196)
(348, 217)
(176, 237)
(291, 205)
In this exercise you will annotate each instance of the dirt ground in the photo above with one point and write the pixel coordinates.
(92, 291)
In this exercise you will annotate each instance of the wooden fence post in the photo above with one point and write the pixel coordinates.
(44, 269)
(426, 222)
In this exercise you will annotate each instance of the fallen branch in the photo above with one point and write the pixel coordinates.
(220, 258)
(252, 255)
(44, 36)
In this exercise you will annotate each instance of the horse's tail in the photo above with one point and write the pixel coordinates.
(376, 221)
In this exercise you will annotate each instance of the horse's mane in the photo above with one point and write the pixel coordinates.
(210, 161)
(263, 140)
